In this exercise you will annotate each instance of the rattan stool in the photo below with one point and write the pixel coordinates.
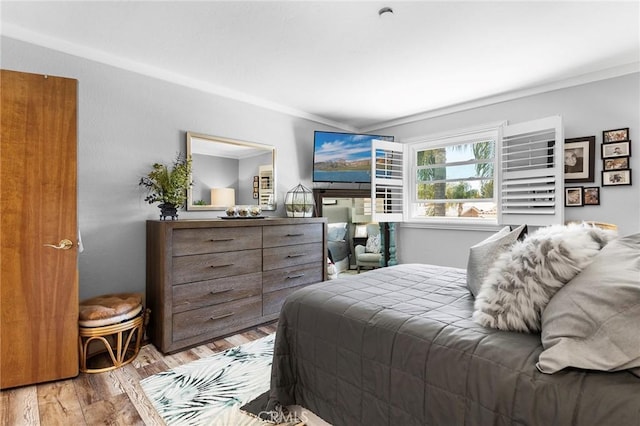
(110, 325)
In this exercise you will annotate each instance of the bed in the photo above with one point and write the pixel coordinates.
(397, 346)
(339, 235)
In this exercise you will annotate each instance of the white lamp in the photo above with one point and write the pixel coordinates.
(223, 197)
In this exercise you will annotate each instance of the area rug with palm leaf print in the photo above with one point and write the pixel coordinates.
(211, 390)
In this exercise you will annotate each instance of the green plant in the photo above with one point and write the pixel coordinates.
(168, 186)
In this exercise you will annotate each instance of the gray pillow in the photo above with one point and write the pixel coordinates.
(592, 322)
(483, 254)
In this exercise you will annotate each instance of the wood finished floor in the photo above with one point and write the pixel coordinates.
(111, 398)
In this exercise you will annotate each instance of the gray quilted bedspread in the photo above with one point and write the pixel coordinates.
(396, 346)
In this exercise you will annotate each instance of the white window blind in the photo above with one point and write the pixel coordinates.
(387, 177)
(532, 173)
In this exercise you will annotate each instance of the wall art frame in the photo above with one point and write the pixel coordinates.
(615, 163)
(579, 159)
(591, 196)
(616, 149)
(615, 135)
(573, 196)
(616, 177)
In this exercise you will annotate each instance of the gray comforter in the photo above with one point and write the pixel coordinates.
(396, 346)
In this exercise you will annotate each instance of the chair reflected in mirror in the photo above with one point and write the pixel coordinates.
(369, 255)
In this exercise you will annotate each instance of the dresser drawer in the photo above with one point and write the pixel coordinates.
(201, 267)
(284, 235)
(217, 319)
(272, 302)
(286, 256)
(293, 276)
(215, 240)
(214, 292)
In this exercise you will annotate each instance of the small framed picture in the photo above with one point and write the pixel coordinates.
(616, 149)
(615, 135)
(579, 159)
(573, 196)
(616, 177)
(615, 163)
(591, 196)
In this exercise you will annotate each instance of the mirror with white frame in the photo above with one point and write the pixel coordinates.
(227, 172)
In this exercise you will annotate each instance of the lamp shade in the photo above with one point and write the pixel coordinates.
(223, 197)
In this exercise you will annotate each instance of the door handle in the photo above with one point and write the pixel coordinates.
(63, 245)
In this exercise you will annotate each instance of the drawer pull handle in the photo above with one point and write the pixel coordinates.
(291, 277)
(219, 291)
(295, 235)
(221, 240)
(221, 266)
(295, 255)
(221, 316)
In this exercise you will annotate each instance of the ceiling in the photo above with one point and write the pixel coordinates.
(339, 62)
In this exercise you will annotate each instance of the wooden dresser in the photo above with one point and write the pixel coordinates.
(210, 278)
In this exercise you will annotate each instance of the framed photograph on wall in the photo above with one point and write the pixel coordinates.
(615, 135)
(573, 196)
(616, 149)
(616, 177)
(591, 196)
(615, 163)
(579, 159)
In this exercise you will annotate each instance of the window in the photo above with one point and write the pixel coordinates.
(453, 177)
(495, 174)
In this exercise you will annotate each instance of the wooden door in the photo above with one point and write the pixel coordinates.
(38, 283)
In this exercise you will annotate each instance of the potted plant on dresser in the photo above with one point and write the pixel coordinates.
(168, 186)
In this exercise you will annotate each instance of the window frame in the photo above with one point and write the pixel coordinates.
(518, 175)
(491, 131)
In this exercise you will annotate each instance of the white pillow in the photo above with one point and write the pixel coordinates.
(373, 244)
(592, 322)
(522, 280)
(485, 253)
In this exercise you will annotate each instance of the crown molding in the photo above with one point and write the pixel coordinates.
(22, 34)
(19, 33)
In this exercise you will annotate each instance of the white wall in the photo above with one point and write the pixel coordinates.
(126, 122)
(586, 110)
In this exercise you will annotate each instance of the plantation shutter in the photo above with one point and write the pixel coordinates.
(387, 178)
(532, 173)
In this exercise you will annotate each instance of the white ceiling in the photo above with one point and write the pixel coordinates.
(339, 62)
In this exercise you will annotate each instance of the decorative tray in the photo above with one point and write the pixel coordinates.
(241, 217)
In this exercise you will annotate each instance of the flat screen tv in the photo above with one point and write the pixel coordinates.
(343, 157)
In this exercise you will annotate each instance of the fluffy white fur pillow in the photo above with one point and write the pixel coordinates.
(522, 281)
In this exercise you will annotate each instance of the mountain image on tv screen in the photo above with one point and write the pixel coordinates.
(343, 157)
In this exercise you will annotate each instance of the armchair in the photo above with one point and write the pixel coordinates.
(372, 257)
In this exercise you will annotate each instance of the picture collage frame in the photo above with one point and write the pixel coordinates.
(616, 152)
(579, 163)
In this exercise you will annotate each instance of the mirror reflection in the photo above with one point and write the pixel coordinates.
(354, 241)
(227, 172)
